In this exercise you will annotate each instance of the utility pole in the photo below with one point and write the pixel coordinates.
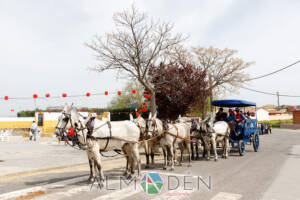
(278, 104)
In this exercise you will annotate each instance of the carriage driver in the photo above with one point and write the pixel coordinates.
(221, 115)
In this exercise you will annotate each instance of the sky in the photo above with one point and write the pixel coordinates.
(42, 45)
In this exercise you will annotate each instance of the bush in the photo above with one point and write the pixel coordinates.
(26, 114)
(276, 123)
(119, 114)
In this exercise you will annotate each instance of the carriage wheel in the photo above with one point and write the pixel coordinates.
(241, 146)
(255, 139)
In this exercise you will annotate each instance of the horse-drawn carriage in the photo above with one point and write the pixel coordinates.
(245, 132)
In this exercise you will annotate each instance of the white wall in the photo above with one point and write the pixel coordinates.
(281, 117)
(16, 119)
(262, 114)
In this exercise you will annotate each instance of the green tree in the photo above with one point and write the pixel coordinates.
(127, 98)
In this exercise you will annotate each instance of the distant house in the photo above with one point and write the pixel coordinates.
(290, 108)
(279, 115)
(262, 114)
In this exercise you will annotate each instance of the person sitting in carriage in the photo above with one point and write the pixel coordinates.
(240, 118)
(231, 117)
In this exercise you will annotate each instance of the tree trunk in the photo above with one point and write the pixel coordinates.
(153, 107)
(210, 106)
(204, 110)
(211, 92)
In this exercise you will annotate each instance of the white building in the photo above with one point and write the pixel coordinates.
(262, 114)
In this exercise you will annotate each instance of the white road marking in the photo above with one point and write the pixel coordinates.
(227, 196)
(180, 175)
(179, 193)
(121, 194)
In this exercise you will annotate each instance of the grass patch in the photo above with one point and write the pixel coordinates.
(276, 123)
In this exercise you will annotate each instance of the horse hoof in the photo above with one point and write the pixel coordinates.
(208, 159)
(125, 174)
(129, 176)
(216, 159)
(101, 185)
(91, 180)
(172, 169)
(164, 168)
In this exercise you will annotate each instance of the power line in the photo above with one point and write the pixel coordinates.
(281, 69)
(269, 93)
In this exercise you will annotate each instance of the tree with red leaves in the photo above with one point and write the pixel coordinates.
(178, 88)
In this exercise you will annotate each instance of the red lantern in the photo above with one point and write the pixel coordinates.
(88, 94)
(47, 95)
(133, 91)
(144, 104)
(6, 98)
(144, 109)
(119, 92)
(140, 110)
(146, 96)
(149, 96)
(64, 95)
(35, 96)
(106, 92)
(147, 92)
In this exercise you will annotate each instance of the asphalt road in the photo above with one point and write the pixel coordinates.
(270, 174)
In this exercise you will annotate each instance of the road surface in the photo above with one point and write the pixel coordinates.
(270, 174)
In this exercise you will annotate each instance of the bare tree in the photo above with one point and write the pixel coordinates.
(224, 70)
(136, 43)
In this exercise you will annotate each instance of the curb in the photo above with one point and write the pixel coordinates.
(47, 170)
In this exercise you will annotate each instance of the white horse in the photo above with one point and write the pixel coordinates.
(140, 122)
(213, 133)
(176, 134)
(106, 136)
(154, 129)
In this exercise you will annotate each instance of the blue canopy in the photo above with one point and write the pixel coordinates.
(232, 103)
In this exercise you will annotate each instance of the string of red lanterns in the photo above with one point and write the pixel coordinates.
(88, 94)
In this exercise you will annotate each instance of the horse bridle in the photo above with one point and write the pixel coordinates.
(63, 129)
(67, 120)
(154, 124)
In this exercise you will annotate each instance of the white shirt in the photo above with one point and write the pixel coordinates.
(34, 126)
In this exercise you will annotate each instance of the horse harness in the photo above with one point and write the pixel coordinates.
(176, 133)
(90, 132)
